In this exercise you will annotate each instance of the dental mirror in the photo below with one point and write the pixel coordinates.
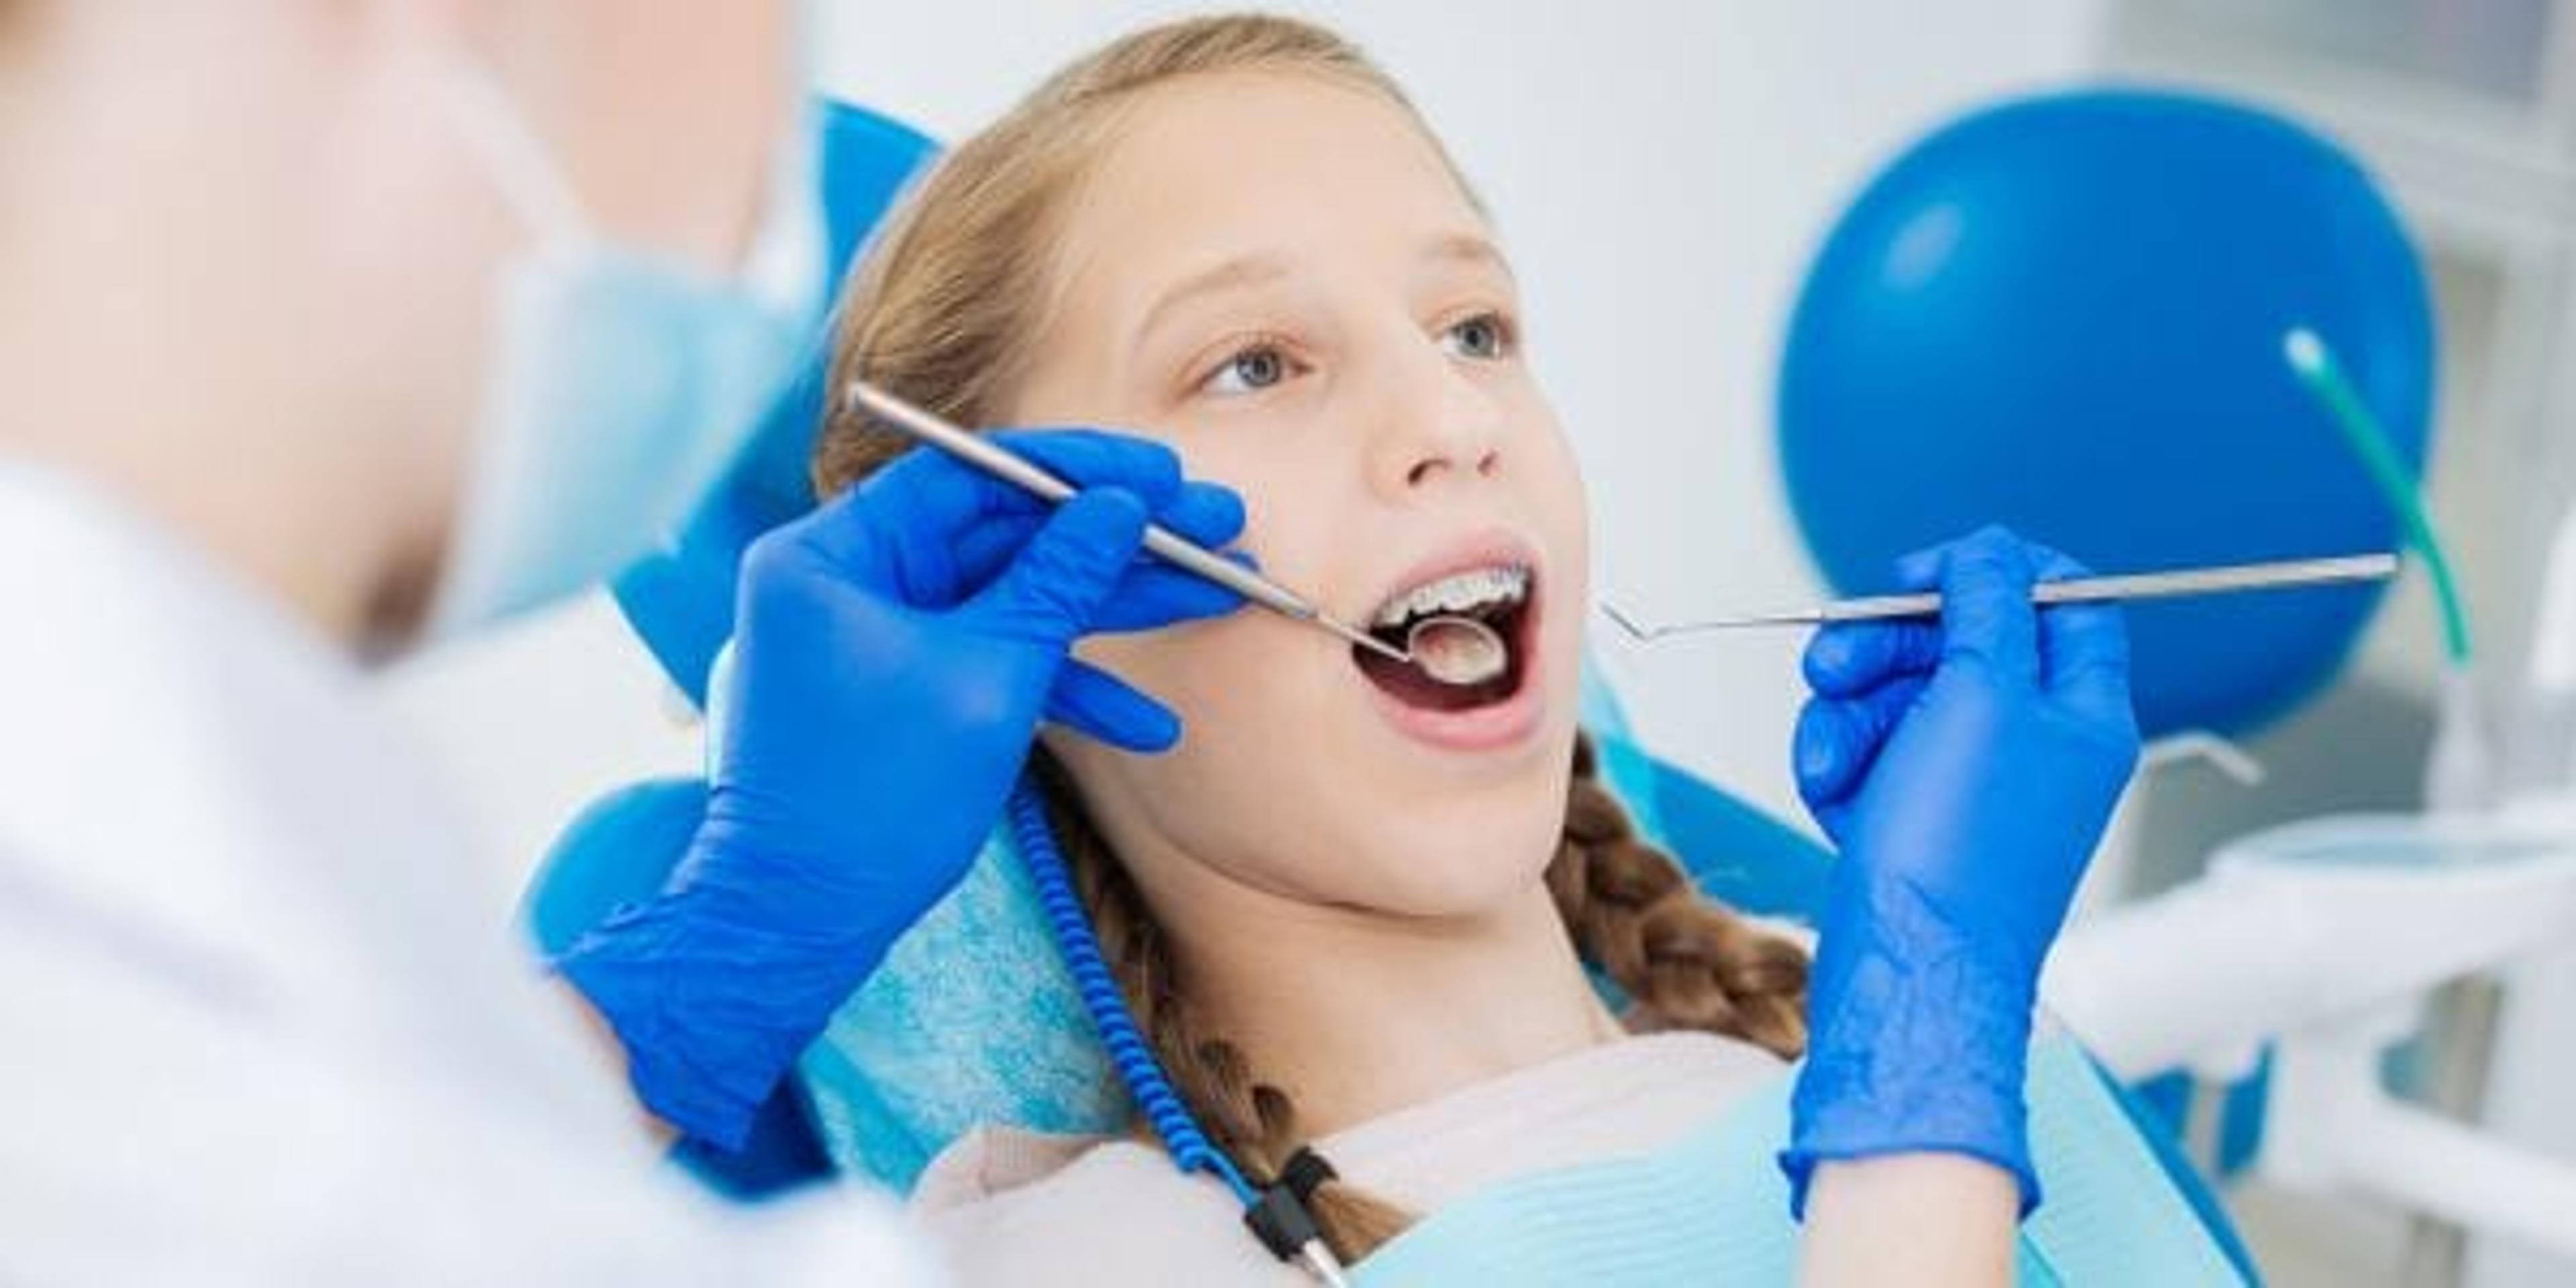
(1459, 651)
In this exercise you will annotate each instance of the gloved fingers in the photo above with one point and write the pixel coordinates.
(1986, 613)
(1838, 739)
(1108, 709)
(907, 517)
(1921, 569)
(1053, 591)
(981, 552)
(899, 530)
(1150, 595)
(1154, 595)
(2084, 649)
(943, 492)
(1209, 514)
(1848, 658)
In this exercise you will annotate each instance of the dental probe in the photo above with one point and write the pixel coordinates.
(1179, 551)
(2224, 579)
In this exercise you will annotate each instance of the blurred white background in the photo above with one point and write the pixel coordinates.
(1660, 172)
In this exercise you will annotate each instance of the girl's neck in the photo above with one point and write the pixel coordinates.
(1358, 1014)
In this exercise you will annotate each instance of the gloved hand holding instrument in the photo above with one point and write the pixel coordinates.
(1965, 768)
(893, 657)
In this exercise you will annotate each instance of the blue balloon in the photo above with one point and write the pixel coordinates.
(2066, 314)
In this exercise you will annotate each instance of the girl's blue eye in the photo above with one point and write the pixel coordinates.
(1249, 370)
(1484, 337)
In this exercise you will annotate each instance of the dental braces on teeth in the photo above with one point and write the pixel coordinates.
(1445, 642)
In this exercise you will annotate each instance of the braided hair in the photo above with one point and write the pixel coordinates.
(1687, 961)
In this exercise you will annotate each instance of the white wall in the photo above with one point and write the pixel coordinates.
(1660, 171)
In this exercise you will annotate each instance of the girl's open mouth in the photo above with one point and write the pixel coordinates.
(1468, 632)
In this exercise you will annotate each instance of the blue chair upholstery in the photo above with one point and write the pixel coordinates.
(1735, 851)
(680, 600)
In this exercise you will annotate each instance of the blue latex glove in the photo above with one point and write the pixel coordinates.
(894, 654)
(1966, 770)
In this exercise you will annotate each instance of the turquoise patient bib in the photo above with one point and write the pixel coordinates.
(1714, 1209)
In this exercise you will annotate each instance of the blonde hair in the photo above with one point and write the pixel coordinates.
(940, 313)
(939, 310)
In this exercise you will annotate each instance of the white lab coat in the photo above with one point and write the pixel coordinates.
(253, 1029)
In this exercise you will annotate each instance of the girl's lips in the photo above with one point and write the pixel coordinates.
(1487, 728)
(1493, 548)
(1492, 726)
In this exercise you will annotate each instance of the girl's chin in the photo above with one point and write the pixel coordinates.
(1459, 878)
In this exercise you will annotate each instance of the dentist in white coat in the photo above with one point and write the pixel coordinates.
(329, 327)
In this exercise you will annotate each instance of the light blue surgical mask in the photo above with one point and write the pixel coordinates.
(622, 383)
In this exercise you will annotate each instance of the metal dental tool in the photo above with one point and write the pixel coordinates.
(2076, 590)
(1457, 650)
(1001, 463)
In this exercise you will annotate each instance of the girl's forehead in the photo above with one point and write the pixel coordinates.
(1216, 168)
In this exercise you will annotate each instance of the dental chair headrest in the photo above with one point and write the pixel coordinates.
(681, 600)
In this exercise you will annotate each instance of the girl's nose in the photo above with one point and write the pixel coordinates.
(1437, 426)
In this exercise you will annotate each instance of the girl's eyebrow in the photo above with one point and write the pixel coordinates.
(1232, 275)
(1262, 268)
(1470, 249)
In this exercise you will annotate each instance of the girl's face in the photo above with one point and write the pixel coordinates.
(1278, 276)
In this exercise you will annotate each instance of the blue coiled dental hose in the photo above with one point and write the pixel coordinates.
(1128, 1052)
(1277, 1215)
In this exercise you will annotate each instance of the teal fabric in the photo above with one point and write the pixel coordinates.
(972, 1019)
(1630, 771)
(1710, 1208)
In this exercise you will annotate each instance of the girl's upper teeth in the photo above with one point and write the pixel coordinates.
(1458, 592)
